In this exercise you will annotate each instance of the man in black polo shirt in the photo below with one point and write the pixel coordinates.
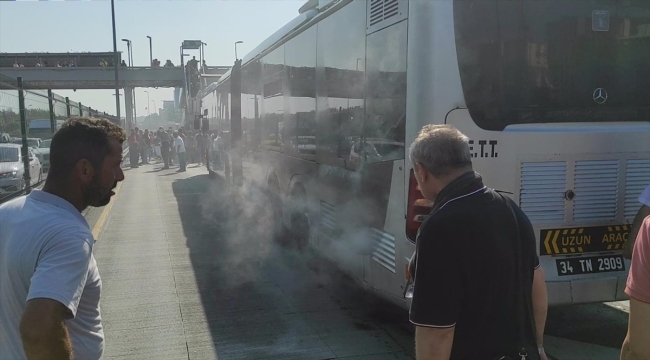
(479, 292)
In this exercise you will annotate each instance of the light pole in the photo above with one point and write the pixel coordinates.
(238, 42)
(203, 55)
(154, 106)
(148, 104)
(117, 85)
(150, 51)
(128, 47)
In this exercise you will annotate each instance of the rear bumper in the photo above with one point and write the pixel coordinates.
(586, 291)
(8, 186)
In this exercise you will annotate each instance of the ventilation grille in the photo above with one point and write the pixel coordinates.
(383, 249)
(381, 10)
(637, 177)
(327, 217)
(543, 185)
(384, 13)
(596, 188)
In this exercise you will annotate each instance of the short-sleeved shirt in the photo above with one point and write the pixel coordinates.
(465, 272)
(179, 145)
(46, 252)
(638, 281)
(644, 198)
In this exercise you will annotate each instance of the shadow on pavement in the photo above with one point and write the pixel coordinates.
(266, 301)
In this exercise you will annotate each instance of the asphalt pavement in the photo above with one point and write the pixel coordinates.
(189, 272)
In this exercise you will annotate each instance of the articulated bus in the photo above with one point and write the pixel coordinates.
(554, 96)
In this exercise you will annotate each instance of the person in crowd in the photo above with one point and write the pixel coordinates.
(145, 146)
(165, 143)
(217, 148)
(180, 150)
(46, 63)
(65, 63)
(16, 64)
(103, 63)
(38, 63)
(21, 65)
(644, 211)
(464, 304)
(636, 345)
(123, 64)
(72, 64)
(133, 148)
(169, 64)
(173, 154)
(204, 66)
(190, 147)
(200, 145)
(50, 286)
(58, 64)
(157, 146)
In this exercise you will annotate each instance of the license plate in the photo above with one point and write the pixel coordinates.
(590, 265)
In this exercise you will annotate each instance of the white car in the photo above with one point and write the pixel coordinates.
(12, 172)
(43, 154)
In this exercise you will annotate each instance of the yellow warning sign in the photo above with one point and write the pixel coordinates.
(583, 240)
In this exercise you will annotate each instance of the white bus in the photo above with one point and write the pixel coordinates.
(554, 95)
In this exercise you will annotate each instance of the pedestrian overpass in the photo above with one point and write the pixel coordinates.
(129, 78)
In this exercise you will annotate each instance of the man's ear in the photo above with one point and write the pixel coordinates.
(85, 170)
(423, 174)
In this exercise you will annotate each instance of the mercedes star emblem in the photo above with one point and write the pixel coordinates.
(600, 96)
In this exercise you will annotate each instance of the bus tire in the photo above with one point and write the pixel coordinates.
(275, 204)
(300, 225)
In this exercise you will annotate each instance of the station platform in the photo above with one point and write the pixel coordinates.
(189, 271)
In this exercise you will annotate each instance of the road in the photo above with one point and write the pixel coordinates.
(242, 295)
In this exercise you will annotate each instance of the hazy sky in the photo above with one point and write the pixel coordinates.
(62, 26)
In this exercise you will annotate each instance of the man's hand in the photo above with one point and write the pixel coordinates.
(433, 343)
(43, 331)
(637, 343)
(540, 304)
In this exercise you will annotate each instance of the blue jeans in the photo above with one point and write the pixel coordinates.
(181, 160)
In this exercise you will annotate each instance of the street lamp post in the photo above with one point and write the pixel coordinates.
(150, 51)
(148, 104)
(238, 42)
(130, 54)
(154, 106)
(117, 85)
(128, 47)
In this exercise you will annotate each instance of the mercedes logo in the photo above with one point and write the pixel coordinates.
(600, 96)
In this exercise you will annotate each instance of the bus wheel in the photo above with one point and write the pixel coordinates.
(300, 229)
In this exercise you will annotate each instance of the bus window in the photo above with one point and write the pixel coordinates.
(340, 71)
(384, 124)
(273, 100)
(300, 128)
(547, 61)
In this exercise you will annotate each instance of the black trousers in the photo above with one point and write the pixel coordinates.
(164, 149)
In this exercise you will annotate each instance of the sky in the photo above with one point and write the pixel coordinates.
(76, 26)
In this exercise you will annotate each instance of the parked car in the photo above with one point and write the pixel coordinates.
(4, 138)
(12, 172)
(43, 154)
(33, 143)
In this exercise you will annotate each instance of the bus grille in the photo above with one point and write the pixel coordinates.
(543, 185)
(637, 177)
(596, 188)
(327, 218)
(383, 251)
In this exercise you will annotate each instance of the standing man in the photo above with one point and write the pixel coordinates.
(479, 291)
(164, 146)
(200, 144)
(644, 211)
(637, 342)
(49, 283)
(180, 149)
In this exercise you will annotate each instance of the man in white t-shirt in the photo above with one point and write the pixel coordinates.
(644, 211)
(49, 283)
(179, 145)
